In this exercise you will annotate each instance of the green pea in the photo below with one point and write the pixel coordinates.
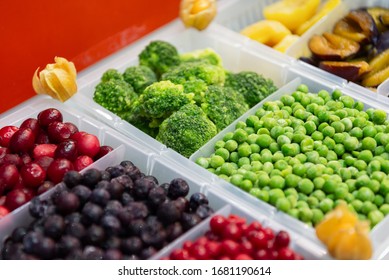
(267, 167)
(283, 204)
(264, 140)
(301, 157)
(379, 200)
(329, 142)
(224, 153)
(313, 202)
(203, 162)
(249, 130)
(231, 145)
(244, 150)
(379, 116)
(291, 192)
(240, 135)
(384, 209)
(369, 143)
(216, 161)
(246, 185)
(263, 131)
(305, 214)
(305, 186)
(317, 135)
(326, 205)
(360, 164)
(255, 157)
(351, 143)
(375, 217)
(317, 216)
(379, 176)
(328, 131)
(236, 179)
(274, 195)
(341, 192)
(277, 182)
(301, 204)
(299, 169)
(330, 186)
(365, 194)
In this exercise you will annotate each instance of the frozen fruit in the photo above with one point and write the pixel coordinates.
(22, 140)
(332, 47)
(33, 175)
(66, 149)
(142, 187)
(168, 213)
(82, 192)
(178, 187)
(9, 177)
(91, 177)
(379, 70)
(44, 161)
(58, 168)
(267, 32)
(72, 178)
(48, 116)
(44, 150)
(6, 133)
(351, 71)
(44, 187)
(54, 226)
(87, 144)
(286, 43)
(378, 13)
(31, 123)
(103, 151)
(67, 202)
(196, 200)
(100, 196)
(15, 199)
(58, 132)
(3, 211)
(291, 13)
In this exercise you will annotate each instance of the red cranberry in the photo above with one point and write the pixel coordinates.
(269, 233)
(33, 175)
(262, 254)
(179, 254)
(282, 239)
(58, 132)
(15, 199)
(31, 123)
(44, 150)
(12, 159)
(22, 140)
(258, 239)
(66, 149)
(213, 248)
(87, 144)
(254, 226)
(187, 245)
(72, 127)
(285, 254)
(44, 162)
(81, 162)
(47, 185)
(58, 168)
(2, 200)
(25, 157)
(48, 116)
(243, 257)
(6, 133)
(199, 252)
(103, 151)
(232, 231)
(217, 224)
(9, 176)
(42, 138)
(230, 248)
(247, 247)
(3, 211)
(3, 152)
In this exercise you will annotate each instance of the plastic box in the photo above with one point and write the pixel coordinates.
(164, 169)
(235, 15)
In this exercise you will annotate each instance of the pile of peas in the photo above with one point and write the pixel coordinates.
(307, 152)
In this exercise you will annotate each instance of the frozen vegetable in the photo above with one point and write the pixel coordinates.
(111, 74)
(139, 77)
(112, 214)
(307, 152)
(223, 105)
(115, 94)
(160, 56)
(253, 86)
(186, 130)
(207, 55)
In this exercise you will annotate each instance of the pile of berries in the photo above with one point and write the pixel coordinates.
(232, 238)
(118, 213)
(35, 156)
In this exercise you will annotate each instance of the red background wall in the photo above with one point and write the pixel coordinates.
(33, 32)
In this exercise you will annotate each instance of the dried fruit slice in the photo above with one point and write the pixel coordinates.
(285, 43)
(332, 47)
(377, 78)
(379, 14)
(324, 10)
(351, 71)
(348, 29)
(291, 13)
(269, 32)
(365, 22)
(379, 70)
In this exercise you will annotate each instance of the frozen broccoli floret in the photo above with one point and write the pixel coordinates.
(186, 130)
(160, 56)
(253, 86)
(143, 123)
(210, 74)
(205, 55)
(115, 95)
(223, 105)
(139, 77)
(161, 99)
(111, 74)
(197, 87)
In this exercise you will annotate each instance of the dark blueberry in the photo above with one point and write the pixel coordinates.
(44, 187)
(91, 177)
(67, 203)
(9, 248)
(136, 227)
(54, 226)
(178, 187)
(95, 234)
(115, 189)
(125, 180)
(130, 257)
(105, 176)
(100, 197)
(76, 230)
(46, 248)
(154, 222)
(132, 211)
(83, 193)
(75, 255)
(92, 253)
(31, 242)
(181, 203)
(152, 178)
(67, 244)
(91, 213)
(165, 186)
(204, 211)
(74, 217)
(103, 184)
(189, 220)
(113, 207)
(133, 172)
(153, 236)
(147, 253)
(115, 171)
(168, 213)
(111, 224)
(112, 242)
(56, 193)
(37, 207)
(27, 257)
(196, 200)
(112, 254)
(156, 196)
(72, 178)
(131, 245)
(142, 188)
(174, 231)
(37, 226)
(126, 163)
(127, 198)
(18, 234)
